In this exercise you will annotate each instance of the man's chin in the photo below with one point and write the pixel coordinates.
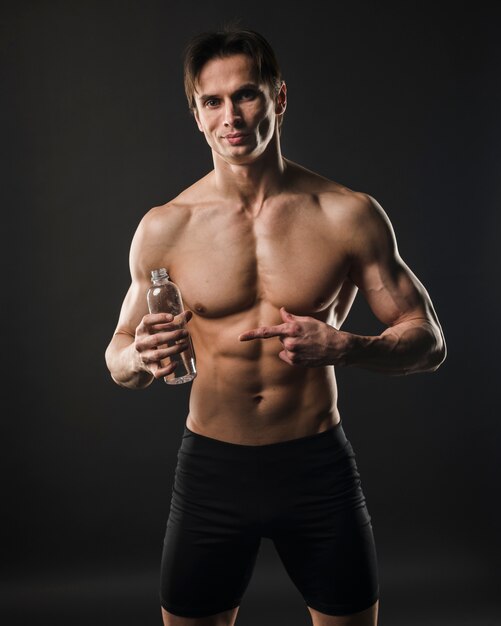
(242, 156)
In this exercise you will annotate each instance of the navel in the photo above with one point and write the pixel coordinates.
(257, 399)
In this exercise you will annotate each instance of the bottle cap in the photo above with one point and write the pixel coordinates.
(159, 273)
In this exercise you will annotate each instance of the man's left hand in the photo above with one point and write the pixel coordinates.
(307, 341)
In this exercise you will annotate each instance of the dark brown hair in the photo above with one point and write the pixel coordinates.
(226, 42)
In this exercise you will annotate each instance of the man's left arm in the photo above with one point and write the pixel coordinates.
(412, 341)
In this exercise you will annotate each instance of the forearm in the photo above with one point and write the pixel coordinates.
(124, 366)
(406, 348)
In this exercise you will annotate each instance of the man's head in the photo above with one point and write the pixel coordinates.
(235, 92)
(225, 43)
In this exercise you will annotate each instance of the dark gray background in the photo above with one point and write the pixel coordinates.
(400, 100)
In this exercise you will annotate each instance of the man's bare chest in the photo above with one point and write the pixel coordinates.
(229, 263)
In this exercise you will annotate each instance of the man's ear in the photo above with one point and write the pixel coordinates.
(281, 100)
(197, 119)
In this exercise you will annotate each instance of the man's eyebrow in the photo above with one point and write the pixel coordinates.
(205, 96)
(247, 86)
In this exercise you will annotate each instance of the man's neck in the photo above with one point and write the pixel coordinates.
(251, 183)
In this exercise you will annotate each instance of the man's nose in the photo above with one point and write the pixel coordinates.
(231, 113)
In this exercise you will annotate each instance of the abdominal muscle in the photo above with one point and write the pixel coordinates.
(245, 394)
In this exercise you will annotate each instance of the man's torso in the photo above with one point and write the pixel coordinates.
(236, 266)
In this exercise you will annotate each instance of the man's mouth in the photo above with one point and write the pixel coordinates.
(236, 138)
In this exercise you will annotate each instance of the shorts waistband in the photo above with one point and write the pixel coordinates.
(334, 436)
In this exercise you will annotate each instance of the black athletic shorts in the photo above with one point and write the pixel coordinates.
(304, 494)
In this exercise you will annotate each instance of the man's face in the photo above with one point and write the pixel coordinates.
(234, 110)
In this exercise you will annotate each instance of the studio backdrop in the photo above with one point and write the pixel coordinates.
(398, 100)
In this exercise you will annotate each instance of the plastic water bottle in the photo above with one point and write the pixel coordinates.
(164, 296)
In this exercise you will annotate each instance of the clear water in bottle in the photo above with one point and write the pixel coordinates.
(164, 296)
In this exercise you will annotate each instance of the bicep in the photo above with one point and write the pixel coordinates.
(392, 290)
(149, 250)
(134, 307)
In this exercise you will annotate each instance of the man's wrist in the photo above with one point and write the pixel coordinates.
(357, 349)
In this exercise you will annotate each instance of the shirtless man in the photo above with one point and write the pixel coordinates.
(269, 257)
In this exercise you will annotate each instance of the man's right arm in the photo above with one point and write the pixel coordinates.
(142, 343)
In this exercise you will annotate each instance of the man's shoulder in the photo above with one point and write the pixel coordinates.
(330, 194)
(177, 210)
(349, 210)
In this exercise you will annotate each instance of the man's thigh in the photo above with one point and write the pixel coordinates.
(205, 572)
(335, 570)
(323, 532)
(211, 543)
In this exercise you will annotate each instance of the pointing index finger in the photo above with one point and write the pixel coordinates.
(264, 332)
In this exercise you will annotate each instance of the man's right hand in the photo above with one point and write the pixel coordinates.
(158, 337)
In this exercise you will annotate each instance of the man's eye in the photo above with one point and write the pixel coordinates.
(212, 102)
(247, 94)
